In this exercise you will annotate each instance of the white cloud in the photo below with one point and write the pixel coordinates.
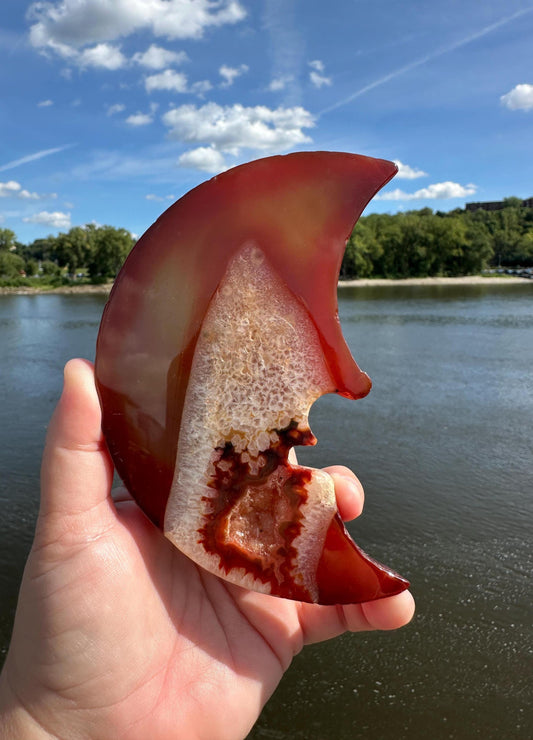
(230, 74)
(204, 158)
(13, 189)
(286, 42)
(155, 57)
(319, 80)
(176, 82)
(316, 75)
(232, 128)
(519, 98)
(116, 165)
(167, 80)
(159, 198)
(57, 219)
(71, 24)
(9, 189)
(440, 51)
(116, 108)
(280, 83)
(318, 65)
(33, 157)
(45, 103)
(439, 190)
(139, 119)
(201, 87)
(408, 173)
(102, 55)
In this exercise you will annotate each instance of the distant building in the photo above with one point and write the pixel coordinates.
(495, 205)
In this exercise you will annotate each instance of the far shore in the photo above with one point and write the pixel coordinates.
(103, 289)
(359, 283)
(464, 280)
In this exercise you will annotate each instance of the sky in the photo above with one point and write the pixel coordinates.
(112, 109)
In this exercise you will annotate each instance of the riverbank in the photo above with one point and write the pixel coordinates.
(465, 280)
(360, 283)
(64, 289)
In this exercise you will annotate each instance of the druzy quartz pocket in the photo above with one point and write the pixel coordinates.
(220, 333)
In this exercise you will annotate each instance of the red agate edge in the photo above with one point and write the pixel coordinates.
(299, 210)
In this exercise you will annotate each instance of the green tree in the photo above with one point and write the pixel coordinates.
(459, 242)
(388, 233)
(50, 268)
(31, 267)
(512, 202)
(524, 249)
(451, 247)
(7, 239)
(11, 265)
(41, 249)
(73, 249)
(507, 235)
(481, 252)
(362, 251)
(111, 246)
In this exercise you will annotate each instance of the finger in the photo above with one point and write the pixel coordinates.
(321, 623)
(76, 473)
(391, 613)
(348, 490)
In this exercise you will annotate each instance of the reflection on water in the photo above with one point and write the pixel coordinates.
(443, 447)
(38, 334)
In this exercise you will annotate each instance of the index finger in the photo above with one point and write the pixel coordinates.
(348, 490)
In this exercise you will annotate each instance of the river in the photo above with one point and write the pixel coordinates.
(443, 445)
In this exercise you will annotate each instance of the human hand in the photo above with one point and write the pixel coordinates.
(118, 635)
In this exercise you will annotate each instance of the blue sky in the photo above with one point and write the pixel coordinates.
(111, 109)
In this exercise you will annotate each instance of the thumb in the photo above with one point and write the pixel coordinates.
(76, 472)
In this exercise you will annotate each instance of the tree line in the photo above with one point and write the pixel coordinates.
(416, 243)
(425, 243)
(93, 253)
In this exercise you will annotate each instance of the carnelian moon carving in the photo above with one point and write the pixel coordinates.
(219, 334)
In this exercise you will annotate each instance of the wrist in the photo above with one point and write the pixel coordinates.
(16, 723)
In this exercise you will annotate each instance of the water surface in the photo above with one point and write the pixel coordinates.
(443, 447)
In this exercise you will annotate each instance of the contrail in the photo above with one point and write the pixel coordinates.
(427, 58)
(33, 157)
